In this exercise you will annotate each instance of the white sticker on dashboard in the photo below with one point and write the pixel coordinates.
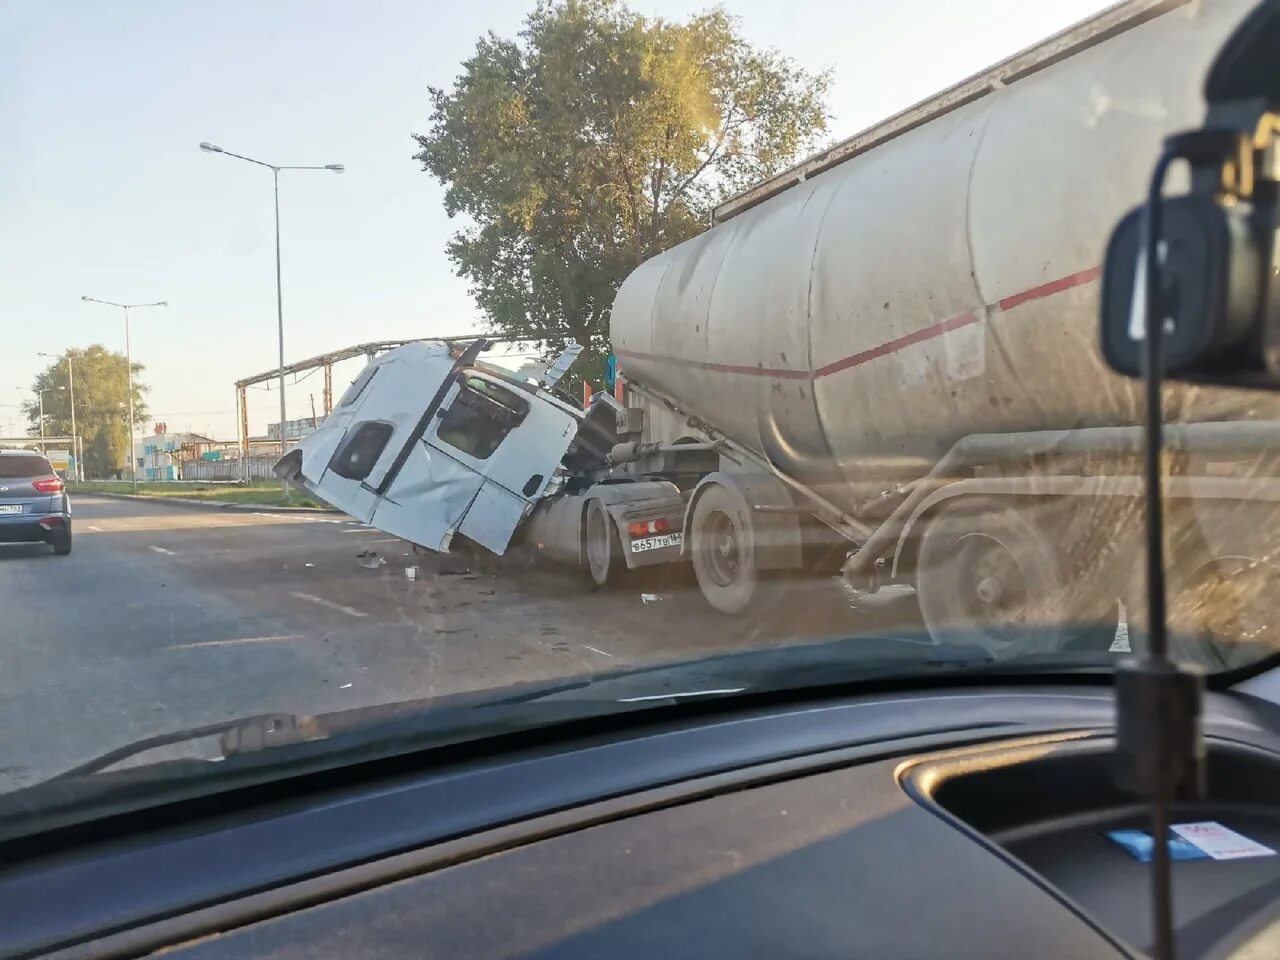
(1219, 842)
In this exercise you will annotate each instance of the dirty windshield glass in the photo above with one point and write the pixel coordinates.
(394, 356)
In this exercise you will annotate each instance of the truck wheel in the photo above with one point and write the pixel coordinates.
(723, 554)
(1221, 610)
(603, 548)
(989, 576)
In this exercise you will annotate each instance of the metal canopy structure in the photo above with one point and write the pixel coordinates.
(34, 442)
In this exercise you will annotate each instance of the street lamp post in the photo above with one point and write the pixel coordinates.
(275, 178)
(128, 366)
(40, 400)
(71, 396)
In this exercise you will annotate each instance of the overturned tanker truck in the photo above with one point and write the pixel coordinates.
(881, 362)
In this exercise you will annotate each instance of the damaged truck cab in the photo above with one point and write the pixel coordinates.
(429, 443)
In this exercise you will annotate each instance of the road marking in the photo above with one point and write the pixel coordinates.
(598, 650)
(95, 529)
(231, 643)
(359, 530)
(349, 611)
(167, 553)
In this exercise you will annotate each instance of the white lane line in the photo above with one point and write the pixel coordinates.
(167, 553)
(349, 611)
(234, 642)
(598, 650)
(359, 530)
(388, 540)
(95, 529)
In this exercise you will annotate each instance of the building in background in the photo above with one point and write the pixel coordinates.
(161, 455)
(295, 430)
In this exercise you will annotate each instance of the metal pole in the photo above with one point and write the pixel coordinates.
(40, 394)
(244, 434)
(128, 366)
(275, 176)
(71, 389)
(239, 440)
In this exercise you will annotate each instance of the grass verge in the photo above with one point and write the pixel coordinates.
(263, 494)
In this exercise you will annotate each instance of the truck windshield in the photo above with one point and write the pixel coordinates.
(566, 337)
(481, 416)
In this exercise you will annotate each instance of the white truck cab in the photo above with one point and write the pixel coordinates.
(429, 442)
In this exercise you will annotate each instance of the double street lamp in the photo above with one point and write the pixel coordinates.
(275, 177)
(40, 400)
(128, 366)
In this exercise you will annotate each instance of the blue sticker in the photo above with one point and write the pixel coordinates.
(1141, 847)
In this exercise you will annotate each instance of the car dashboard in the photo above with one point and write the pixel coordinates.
(953, 822)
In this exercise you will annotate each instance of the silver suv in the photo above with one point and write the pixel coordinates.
(34, 506)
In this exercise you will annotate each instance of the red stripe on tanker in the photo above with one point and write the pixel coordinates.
(1060, 285)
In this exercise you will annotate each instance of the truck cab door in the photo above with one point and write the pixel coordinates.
(487, 456)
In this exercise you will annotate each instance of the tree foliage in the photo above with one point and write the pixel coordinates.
(102, 411)
(596, 139)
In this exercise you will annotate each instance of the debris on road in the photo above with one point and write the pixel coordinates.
(411, 573)
(308, 564)
(345, 686)
(370, 560)
(649, 598)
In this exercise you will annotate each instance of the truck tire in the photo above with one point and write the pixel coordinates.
(723, 553)
(989, 575)
(603, 548)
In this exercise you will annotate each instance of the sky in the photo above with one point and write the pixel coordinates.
(104, 192)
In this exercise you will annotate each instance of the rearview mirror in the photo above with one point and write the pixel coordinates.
(1217, 287)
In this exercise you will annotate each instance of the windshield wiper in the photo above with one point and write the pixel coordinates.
(262, 722)
(815, 667)
(279, 746)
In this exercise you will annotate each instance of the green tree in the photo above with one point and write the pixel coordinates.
(102, 411)
(597, 139)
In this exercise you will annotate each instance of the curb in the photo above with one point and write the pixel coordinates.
(215, 504)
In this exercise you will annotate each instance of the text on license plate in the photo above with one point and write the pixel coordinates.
(655, 543)
(10, 508)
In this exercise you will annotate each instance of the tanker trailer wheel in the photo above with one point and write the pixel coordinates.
(723, 554)
(603, 547)
(1222, 610)
(989, 576)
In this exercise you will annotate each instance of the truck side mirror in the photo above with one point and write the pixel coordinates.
(561, 365)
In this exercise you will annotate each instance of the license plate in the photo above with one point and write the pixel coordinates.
(657, 543)
(10, 508)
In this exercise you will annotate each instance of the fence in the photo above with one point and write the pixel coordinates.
(259, 468)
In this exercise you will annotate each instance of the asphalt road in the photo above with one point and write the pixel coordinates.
(166, 617)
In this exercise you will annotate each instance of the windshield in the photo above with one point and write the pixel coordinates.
(286, 322)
